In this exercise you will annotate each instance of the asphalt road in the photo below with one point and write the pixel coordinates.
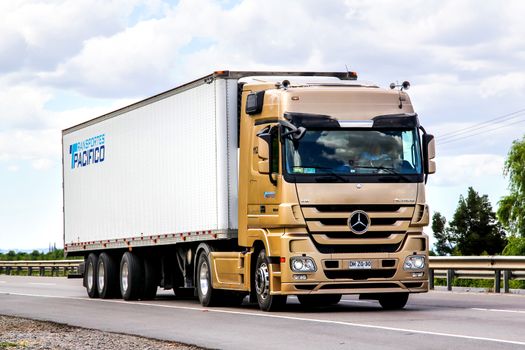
(436, 320)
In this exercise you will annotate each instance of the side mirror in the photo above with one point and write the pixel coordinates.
(429, 153)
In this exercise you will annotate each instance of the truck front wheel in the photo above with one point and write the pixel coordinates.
(393, 301)
(267, 302)
(131, 277)
(90, 276)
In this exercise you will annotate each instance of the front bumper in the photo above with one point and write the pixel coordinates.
(334, 275)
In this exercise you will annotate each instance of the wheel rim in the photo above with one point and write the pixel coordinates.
(203, 278)
(90, 276)
(100, 276)
(262, 281)
(124, 276)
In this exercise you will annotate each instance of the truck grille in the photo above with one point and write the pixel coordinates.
(328, 226)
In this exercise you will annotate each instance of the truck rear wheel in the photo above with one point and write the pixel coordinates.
(266, 301)
(107, 276)
(208, 296)
(90, 276)
(393, 301)
(131, 277)
(319, 299)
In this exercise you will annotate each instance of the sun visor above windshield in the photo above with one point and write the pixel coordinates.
(309, 120)
(404, 121)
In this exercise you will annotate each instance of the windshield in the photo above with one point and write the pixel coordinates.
(354, 152)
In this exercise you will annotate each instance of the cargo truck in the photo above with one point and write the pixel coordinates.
(259, 184)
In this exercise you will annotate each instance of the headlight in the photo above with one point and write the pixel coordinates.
(302, 264)
(414, 262)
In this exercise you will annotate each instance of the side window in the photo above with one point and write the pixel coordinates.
(274, 166)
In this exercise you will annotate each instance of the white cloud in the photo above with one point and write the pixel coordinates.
(44, 33)
(466, 168)
(21, 105)
(42, 163)
(504, 84)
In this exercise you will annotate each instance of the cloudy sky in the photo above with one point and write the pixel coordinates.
(63, 62)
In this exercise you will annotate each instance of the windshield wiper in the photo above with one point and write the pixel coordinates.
(389, 170)
(324, 178)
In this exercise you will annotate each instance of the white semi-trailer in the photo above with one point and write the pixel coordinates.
(229, 186)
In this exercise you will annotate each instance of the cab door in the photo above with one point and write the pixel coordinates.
(263, 194)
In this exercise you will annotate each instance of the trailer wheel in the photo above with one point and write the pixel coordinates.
(267, 302)
(393, 301)
(107, 276)
(318, 300)
(151, 278)
(208, 296)
(90, 276)
(131, 277)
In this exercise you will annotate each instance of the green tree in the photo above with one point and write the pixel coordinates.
(511, 211)
(444, 241)
(475, 228)
(515, 246)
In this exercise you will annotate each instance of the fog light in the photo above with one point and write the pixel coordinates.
(414, 262)
(417, 274)
(302, 264)
(299, 277)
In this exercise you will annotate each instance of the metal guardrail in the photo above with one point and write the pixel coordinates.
(30, 266)
(477, 267)
(469, 267)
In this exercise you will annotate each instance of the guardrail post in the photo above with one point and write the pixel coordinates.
(8, 270)
(497, 281)
(29, 271)
(450, 278)
(42, 271)
(506, 278)
(431, 278)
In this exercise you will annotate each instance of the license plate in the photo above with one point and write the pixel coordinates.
(360, 264)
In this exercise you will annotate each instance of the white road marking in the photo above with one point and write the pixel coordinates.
(3, 282)
(43, 284)
(268, 315)
(499, 310)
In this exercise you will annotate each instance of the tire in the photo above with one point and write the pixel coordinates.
(151, 278)
(208, 296)
(90, 275)
(393, 301)
(131, 277)
(319, 300)
(266, 301)
(107, 277)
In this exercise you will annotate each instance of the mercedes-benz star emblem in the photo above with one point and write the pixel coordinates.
(359, 222)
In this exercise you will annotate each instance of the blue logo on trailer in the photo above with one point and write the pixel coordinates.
(87, 152)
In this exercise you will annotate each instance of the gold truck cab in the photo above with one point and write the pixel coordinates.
(331, 195)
